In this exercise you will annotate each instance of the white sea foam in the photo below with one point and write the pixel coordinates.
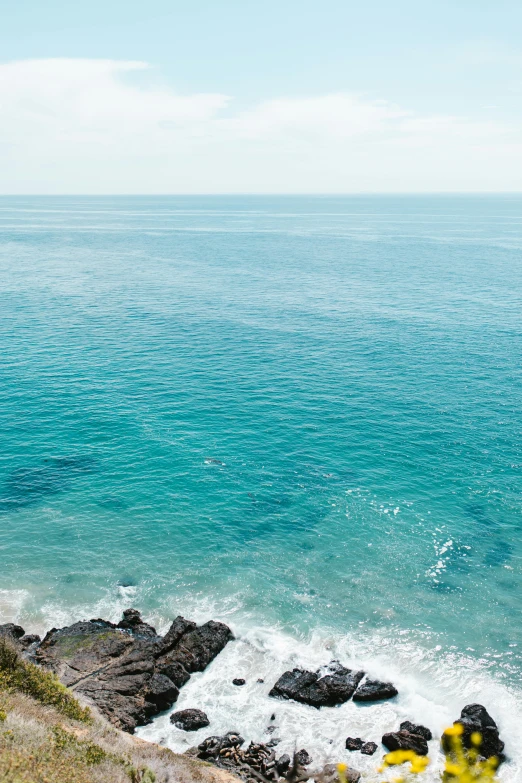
(11, 604)
(433, 688)
(434, 683)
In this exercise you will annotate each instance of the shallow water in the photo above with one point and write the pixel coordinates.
(301, 415)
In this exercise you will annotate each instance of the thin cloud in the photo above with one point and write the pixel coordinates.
(80, 125)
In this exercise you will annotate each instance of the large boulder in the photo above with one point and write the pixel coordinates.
(475, 719)
(324, 688)
(128, 671)
(375, 690)
(404, 740)
(189, 720)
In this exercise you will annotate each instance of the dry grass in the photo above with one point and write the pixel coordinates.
(48, 736)
(23, 677)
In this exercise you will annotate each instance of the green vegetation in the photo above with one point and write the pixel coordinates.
(47, 736)
(23, 677)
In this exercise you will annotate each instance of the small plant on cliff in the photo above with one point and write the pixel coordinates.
(23, 677)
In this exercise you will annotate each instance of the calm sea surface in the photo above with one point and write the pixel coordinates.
(299, 414)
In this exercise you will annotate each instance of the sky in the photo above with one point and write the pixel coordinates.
(258, 96)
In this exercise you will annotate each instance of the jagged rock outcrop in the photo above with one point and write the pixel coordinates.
(127, 670)
(324, 688)
(17, 635)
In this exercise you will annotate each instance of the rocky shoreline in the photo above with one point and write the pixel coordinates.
(131, 674)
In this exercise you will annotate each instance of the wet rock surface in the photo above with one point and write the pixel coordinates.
(475, 719)
(375, 690)
(239, 681)
(127, 670)
(356, 743)
(17, 636)
(324, 688)
(189, 720)
(405, 740)
(416, 729)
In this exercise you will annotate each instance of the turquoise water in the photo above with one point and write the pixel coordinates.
(294, 412)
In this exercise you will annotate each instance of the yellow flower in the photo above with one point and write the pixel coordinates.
(455, 730)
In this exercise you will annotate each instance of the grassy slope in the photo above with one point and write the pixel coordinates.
(47, 736)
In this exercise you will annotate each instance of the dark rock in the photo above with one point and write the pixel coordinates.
(239, 681)
(324, 688)
(272, 717)
(132, 622)
(369, 748)
(11, 631)
(374, 690)
(199, 646)
(28, 639)
(174, 670)
(303, 758)
(162, 692)
(414, 729)
(127, 670)
(189, 720)
(354, 743)
(404, 740)
(283, 763)
(474, 718)
(179, 628)
(260, 680)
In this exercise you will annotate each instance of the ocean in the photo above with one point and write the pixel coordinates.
(299, 415)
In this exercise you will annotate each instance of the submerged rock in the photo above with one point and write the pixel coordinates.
(323, 688)
(189, 720)
(375, 690)
(126, 670)
(475, 719)
(414, 729)
(404, 740)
